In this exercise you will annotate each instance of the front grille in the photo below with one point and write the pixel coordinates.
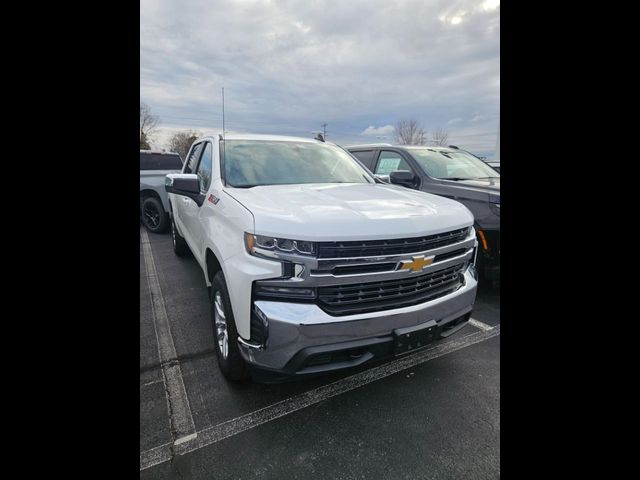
(375, 248)
(375, 296)
(364, 268)
(448, 255)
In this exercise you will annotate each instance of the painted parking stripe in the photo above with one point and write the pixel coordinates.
(480, 325)
(155, 456)
(179, 408)
(213, 434)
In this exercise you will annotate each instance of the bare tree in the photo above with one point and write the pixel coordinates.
(144, 142)
(180, 142)
(440, 137)
(410, 132)
(148, 125)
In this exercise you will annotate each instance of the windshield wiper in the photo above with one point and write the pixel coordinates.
(455, 179)
(247, 186)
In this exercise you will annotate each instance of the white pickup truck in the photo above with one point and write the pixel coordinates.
(311, 263)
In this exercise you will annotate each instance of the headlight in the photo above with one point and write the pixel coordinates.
(472, 232)
(261, 244)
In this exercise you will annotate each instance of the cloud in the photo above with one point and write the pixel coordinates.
(372, 131)
(290, 66)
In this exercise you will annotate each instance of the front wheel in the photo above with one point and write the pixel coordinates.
(180, 247)
(225, 334)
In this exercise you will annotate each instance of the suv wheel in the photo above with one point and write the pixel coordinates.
(225, 334)
(153, 215)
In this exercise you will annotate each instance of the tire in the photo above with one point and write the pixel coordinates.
(230, 361)
(485, 279)
(153, 215)
(180, 247)
(480, 268)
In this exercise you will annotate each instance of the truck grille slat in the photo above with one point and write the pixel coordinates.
(371, 248)
(375, 296)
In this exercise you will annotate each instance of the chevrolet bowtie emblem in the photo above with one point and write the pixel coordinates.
(416, 264)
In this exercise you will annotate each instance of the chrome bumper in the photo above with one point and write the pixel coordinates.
(294, 327)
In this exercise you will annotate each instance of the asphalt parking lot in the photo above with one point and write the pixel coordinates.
(434, 414)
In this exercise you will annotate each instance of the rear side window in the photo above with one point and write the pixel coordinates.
(366, 157)
(160, 161)
(192, 161)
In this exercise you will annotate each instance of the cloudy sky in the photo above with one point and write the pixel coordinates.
(288, 66)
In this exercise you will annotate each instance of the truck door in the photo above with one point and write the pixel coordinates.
(196, 216)
(390, 161)
(183, 206)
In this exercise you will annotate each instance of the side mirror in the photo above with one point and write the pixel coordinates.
(383, 178)
(404, 178)
(186, 184)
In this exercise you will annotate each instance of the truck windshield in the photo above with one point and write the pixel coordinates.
(452, 165)
(250, 163)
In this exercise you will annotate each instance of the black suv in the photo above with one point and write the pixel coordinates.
(448, 172)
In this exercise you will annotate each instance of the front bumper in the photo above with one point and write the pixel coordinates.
(303, 339)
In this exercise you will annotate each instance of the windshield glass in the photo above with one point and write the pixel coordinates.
(249, 163)
(452, 165)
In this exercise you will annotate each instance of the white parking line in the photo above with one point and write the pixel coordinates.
(179, 409)
(215, 433)
(480, 325)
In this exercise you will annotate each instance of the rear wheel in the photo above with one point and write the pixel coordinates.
(225, 334)
(153, 215)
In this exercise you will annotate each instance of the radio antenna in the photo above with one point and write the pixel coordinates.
(224, 152)
(222, 112)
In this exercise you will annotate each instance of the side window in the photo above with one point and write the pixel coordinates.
(204, 168)
(366, 157)
(390, 162)
(193, 159)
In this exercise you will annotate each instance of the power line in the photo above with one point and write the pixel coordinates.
(251, 124)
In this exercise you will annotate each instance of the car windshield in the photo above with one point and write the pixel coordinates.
(452, 165)
(250, 163)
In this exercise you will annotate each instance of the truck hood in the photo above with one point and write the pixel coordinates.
(331, 212)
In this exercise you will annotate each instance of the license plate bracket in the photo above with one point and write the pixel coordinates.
(412, 338)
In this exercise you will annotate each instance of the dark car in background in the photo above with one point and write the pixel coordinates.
(493, 164)
(449, 172)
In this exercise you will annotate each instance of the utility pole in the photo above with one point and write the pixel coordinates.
(324, 130)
